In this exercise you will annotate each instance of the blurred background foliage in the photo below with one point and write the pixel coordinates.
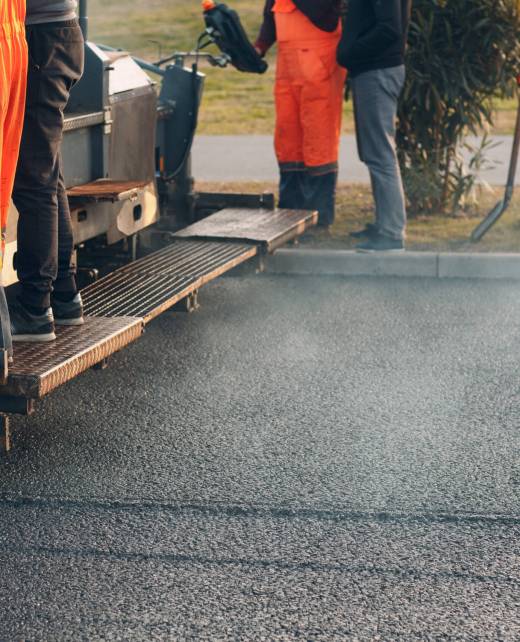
(463, 55)
(234, 103)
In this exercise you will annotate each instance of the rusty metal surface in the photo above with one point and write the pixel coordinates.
(106, 190)
(39, 368)
(155, 283)
(269, 228)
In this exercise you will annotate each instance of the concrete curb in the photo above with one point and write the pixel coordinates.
(408, 264)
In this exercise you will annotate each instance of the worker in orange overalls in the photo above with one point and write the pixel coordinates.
(309, 99)
(13, 81)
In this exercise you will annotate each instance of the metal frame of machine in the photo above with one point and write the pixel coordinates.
(120, 182)
(126, 157)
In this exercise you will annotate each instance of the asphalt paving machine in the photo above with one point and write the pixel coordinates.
(127, 142)
(126, 159)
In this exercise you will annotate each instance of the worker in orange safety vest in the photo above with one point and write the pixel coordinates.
(309, 99)
(13, 82)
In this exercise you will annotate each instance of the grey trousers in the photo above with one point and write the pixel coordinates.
(375, 95)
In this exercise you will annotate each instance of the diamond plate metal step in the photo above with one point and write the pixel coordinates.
(39, 368)
(269, 229)
(155, 283)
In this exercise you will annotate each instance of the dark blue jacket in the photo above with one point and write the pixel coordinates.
(375, 35)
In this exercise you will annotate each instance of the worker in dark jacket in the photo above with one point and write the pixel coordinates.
(308, 95)
(45, 243)
(372, 48)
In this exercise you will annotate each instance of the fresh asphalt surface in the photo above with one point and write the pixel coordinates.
(305, 458)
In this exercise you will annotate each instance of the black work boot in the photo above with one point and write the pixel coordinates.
(292, 189)
(26, 325)
(68, 312)
(320, 192)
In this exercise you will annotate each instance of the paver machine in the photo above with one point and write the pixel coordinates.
(126, 157)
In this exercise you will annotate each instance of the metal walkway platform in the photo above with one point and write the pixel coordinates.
(152, 285)
(268, 228)
(40, 368)
(118, 306)
(116, 309)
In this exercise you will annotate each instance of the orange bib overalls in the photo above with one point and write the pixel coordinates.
(13, 81)
(308, 93)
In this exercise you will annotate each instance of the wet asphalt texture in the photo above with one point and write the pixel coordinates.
(309, 458)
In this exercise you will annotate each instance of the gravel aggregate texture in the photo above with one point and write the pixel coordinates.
(302, 459)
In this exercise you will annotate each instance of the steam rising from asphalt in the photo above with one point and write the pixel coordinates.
(389, 381)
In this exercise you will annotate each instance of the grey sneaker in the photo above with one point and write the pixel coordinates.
(68, 312)
(26, 326)
(368, 232)
(381, 244)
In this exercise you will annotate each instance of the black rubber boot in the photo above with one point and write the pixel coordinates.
(292, 190)
(321, 196)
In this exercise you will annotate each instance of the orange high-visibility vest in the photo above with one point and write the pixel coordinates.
(13, 81)
(308, 92)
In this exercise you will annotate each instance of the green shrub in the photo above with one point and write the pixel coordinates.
(462, 54)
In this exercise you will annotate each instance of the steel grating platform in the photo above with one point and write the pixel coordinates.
(39, 368)
(118, 306)
(268, 228)
(151, 285)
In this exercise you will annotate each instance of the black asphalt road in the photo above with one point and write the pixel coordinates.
(311, 459)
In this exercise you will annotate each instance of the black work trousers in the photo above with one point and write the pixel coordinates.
(45, 241)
